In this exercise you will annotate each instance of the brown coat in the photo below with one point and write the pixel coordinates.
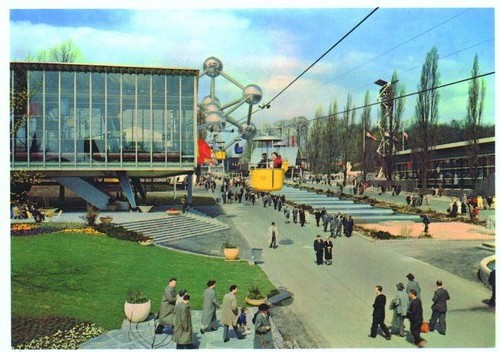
(229, 310)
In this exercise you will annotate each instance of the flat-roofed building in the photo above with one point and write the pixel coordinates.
(83, 121)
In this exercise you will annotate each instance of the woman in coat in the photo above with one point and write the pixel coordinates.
(328, 245)
(183, 327)
(399, 306)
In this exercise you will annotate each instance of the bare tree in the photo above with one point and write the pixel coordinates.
(365, 126)
(475, 105)
(314, 142)
(426, 114)
(331, 138)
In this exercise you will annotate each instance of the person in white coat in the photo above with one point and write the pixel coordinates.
(272, 236)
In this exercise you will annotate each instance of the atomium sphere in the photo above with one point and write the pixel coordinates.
(215, 121)
(211, 108)
(212, 67)
(252, 94)
(208, 100)
(248, 131)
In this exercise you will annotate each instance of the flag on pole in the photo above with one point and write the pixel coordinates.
(370, 135)
(405, 135)
(204, 152)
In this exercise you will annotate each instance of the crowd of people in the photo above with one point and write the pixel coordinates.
(174, 317)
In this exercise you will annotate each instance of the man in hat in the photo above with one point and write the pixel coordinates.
(379, 314)
(439, 308)
(399, 307)
(263, 335)
(412, 285)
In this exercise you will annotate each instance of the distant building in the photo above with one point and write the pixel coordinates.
(449, 167)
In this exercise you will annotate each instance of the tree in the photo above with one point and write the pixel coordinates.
(426, 114)
(314, 142)
(331, 139)
(65, 51)
(475, 105)
(365, 126)
(346, 142)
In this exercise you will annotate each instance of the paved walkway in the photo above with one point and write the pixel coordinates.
(333, 303)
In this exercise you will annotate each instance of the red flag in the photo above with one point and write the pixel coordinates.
(204, 151)
(370, 135)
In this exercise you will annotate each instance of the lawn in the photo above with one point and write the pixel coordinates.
(87, 277)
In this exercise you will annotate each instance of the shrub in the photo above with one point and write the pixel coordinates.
(254, 293)
(33, 229)
(136, 296)
(121, 233)
(382, 235)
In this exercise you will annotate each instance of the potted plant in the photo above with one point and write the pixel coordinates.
(255, 297)
(230, 250)
(137, 306)
(173, 211)
(106, 219)
(146, 241)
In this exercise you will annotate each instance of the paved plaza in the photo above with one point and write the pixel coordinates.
(332, 305)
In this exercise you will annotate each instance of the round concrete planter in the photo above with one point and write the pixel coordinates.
(145, 208)
(137, 312)
(255, 302)
(146, 243)
(173, 212)
(231, 253)
(106, 219)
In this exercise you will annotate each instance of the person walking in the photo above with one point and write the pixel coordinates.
(230, 313)
(295, 213)
(492, 282)
(167, 305)
(416, 317)
(183, 326)
(317, 216)
(399, 307)
(318, 248)
(426, 221)
(348, 226)
(439, 308)
(208, 315)
(328, 246)
(412, 285)
(263, 338)
(302, 216)
(334, 225)
(272, 235)
(378, 315)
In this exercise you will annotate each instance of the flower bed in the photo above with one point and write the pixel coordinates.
(51, 332)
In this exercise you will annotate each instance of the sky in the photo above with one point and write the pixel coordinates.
(270, 46)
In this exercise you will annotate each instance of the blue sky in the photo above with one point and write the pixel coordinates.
(271, 45)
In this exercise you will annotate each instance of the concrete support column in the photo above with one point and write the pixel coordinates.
(189, 184)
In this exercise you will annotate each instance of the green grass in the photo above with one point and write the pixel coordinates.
(87, 277)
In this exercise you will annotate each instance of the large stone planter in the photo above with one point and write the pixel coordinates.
(231, 253)
(137, 312)
(106, 219)
(255, 302)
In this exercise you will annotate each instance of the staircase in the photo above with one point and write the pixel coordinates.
(360, 212)
(175, 227)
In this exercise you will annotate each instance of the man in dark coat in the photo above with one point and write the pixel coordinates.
(416, 317)
(302, 216)
(491, 281)
(348, 226)
(379, 314)
(439, 308)
(318, 248)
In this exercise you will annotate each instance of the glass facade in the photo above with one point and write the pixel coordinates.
(103, 117)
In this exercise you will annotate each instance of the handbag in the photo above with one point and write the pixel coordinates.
(425, 327)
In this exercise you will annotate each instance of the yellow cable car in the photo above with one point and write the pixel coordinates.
(267, 180)
(220, 155)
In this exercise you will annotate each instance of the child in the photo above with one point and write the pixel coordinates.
(242, 321)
